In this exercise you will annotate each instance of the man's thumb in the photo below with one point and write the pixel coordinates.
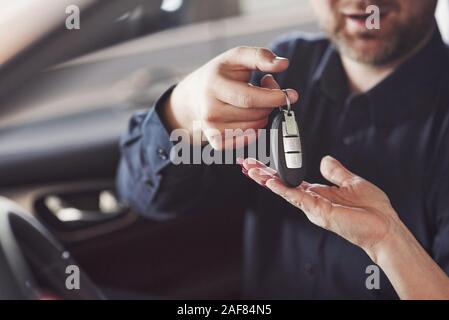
(269, 82)
(260, 59)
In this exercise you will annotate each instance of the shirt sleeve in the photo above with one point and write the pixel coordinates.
(155, 187)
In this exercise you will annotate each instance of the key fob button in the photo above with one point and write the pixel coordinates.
(286, 148)
(291, 130)
(292, 144)
(293, 160)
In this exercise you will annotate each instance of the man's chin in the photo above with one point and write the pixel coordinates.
(368, 50)
(372, 47)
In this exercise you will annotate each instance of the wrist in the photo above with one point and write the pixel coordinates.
(409, 268)
(396, 240)
(174, 112)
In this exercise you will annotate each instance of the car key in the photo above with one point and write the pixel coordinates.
(286, 147)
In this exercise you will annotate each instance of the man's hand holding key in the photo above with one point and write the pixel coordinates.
(220, 96)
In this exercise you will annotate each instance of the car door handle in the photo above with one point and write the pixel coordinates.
(108, 205)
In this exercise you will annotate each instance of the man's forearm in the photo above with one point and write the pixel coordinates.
(412, 272)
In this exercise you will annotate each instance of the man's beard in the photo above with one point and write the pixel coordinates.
(403, 38)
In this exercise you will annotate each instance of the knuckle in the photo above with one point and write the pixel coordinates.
(279, 97)
(218, 68)
(263, 53)
(208, 115)
(358, 181)
(245, 100)
(350, 183)
(237, 50)
(334, 172)
(258, 54)
(212, 76)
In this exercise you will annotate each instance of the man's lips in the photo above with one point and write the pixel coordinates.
(356, 14)
(360, 17)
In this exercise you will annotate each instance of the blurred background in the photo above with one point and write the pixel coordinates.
(67, 95)
(146, 41)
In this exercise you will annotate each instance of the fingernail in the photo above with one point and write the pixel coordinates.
(240, 161)
(327, 160)
(270, 183)
(278, 59)
(292, 94)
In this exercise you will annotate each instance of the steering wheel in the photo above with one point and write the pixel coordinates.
(32, 260)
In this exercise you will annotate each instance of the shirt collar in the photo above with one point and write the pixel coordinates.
(415, 74)
(330, 76)
(411, 77)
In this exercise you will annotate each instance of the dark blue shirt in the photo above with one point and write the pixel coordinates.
(396, 136)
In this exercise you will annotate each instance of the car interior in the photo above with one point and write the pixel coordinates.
(65, 99)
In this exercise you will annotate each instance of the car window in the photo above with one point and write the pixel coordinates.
(154, 45)
(22, 22)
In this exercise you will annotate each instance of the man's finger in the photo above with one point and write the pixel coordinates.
(254, 59)
(235, 128)
(245, 95)
(230, 114)
(227, 113)
(269, 82)
(261, 176)
(317, 209)
(326, 192)
(223, 135)
(296, 196)
(238, 141)
(335, 172)
(251, 163)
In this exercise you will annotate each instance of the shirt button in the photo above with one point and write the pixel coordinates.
(162, 154)
(348, 141)
(308, 267)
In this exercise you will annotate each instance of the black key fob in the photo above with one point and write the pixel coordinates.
(287, 151)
